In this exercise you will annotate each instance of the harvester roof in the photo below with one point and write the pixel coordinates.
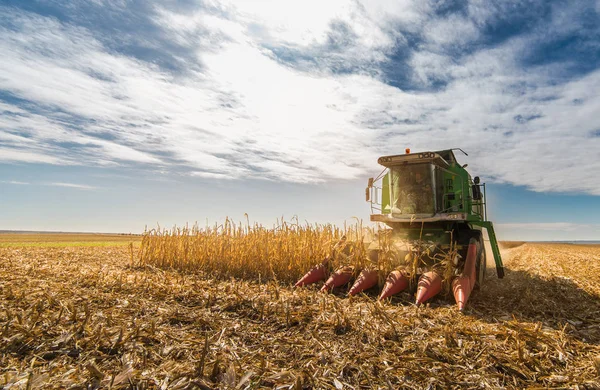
(441, 157)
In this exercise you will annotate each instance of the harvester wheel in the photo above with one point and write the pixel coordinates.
(481, 264)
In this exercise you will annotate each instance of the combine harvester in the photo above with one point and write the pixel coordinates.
(435, 213)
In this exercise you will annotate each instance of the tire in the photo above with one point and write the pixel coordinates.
(465, 235)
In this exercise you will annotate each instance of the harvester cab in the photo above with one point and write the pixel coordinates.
(435, 213)
(431, 190)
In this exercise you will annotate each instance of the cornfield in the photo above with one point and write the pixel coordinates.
(284, 252)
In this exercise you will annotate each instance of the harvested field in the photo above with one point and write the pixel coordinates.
(84, 317)
(67, 239)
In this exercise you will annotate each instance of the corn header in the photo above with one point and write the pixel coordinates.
(434, 214)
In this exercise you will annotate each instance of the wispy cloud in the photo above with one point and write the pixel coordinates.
(15, 182)
(52, 184)
(71, 185)
(305, 91)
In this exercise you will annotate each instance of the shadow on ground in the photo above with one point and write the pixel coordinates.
(556, 302)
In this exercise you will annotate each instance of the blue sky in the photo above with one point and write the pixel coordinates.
(120, 114)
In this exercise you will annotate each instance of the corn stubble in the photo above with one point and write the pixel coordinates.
(86, 318)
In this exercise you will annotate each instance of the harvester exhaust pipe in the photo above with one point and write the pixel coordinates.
(367, 279)
(462, 285)
(430, 285)
(396, 282)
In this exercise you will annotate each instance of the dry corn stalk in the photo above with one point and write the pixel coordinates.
(283, 252)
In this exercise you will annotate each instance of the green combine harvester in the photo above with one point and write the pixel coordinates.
(435, 213)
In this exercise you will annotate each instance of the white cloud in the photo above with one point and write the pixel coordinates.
(454, 30)
(121, 152)
(71, 185)
(52, 184)
(15, 182)
(15, 155)
(240, 110)
(303, 22)
(209, 175)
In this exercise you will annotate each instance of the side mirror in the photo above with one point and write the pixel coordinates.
(370, 183)
(368, 194)
(476, 180)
